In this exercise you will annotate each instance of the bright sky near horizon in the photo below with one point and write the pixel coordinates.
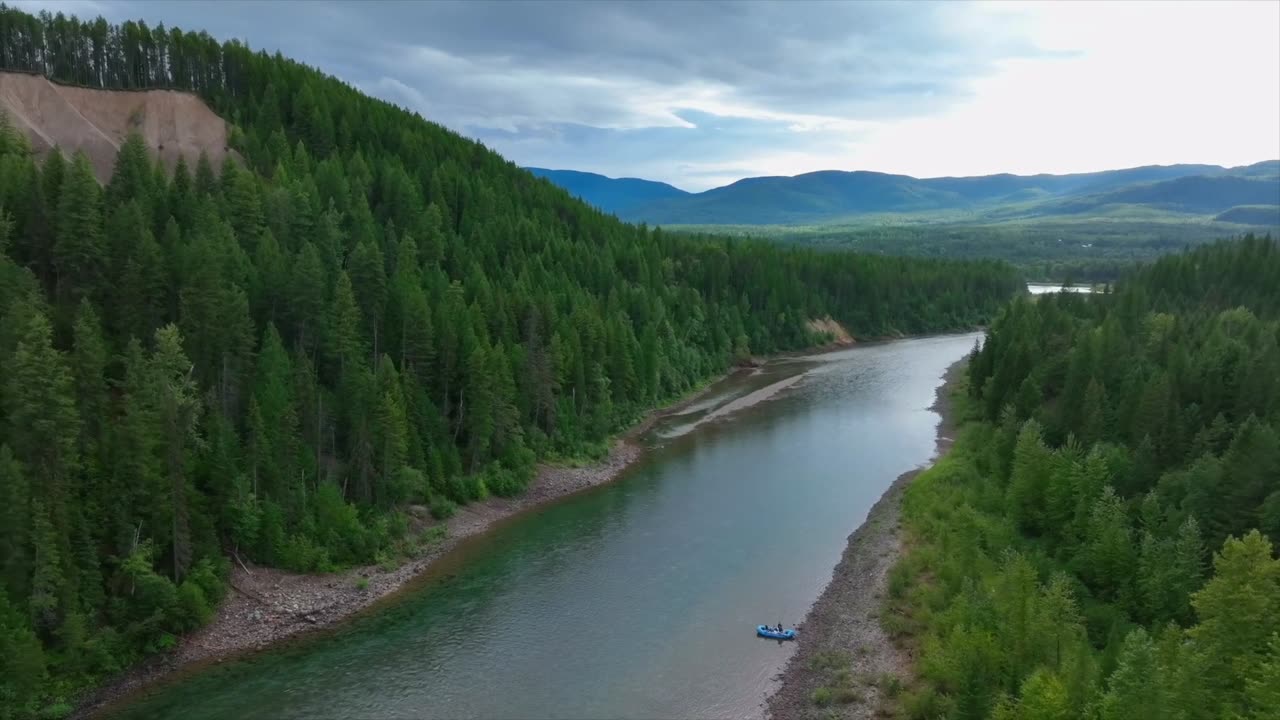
(702, 94)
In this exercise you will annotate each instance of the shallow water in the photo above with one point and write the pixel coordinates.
(637, 599)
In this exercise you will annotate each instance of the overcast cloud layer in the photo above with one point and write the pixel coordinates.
(701, 94)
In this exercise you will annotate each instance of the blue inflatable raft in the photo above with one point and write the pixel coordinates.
(767, 632)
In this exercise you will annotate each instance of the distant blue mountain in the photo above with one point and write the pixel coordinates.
(619, 196)
(832, 194)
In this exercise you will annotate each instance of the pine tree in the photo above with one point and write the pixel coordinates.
(49, 595)
(43, 425)
(271, 281)
(1187, 571)
(244, 204)
(1134, 686)
(206, 182)
(1262, 686)
(140, 294)
(1253, 464)
(306, 305)
(79, 253)
(15, 517)
(417, 335)
(369, 282)
(344, 339)
(136, 475)
(276, 411)
(1094, 426)
(131, 180)
(1031, 466)
(392, 433)
(1043, 697)
(1109, 561)
(23, 665)
(1239, 611)
(1155, 571)
(479, 407)
(89, 365)
(178, 412)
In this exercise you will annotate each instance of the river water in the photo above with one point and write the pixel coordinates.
(637, 599)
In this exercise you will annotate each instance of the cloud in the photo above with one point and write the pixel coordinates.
(697, 93)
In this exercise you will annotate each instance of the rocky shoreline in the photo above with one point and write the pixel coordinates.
(266, 606)
(844, 622)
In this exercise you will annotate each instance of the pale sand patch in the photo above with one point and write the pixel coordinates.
(742, 403)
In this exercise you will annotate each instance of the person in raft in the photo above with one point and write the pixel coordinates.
(779, 626)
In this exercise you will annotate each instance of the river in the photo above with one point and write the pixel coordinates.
(637, 599)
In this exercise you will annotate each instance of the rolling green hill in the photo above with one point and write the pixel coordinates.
(1192, 195)
(1251, 215)
(837, 196)
(615, 195)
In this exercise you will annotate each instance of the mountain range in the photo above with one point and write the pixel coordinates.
(1248, 194)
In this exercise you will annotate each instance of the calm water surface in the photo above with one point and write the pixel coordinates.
(637, 599)
(1043, 288)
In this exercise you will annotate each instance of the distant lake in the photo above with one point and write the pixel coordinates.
(1042, 288)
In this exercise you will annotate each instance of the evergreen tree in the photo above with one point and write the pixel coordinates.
(344, 338)
(178, 413)
(1134, 687)
(1239, 611)
(15, 493)
(79, 254)
(306, 299)
(1262, 686)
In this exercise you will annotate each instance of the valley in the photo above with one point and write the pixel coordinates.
(322, 395)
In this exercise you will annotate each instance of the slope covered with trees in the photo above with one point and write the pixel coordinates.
(272, 358)
(1101, 543)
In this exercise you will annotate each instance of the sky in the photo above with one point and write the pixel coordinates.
(700, 94)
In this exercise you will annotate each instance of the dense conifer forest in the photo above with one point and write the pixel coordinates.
(272, 358)
(1101, 542)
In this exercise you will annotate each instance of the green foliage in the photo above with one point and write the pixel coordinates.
(1059, 579)
(271, 358)
(442, 508)
(821, 697)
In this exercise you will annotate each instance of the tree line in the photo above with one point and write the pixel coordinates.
(1102, 541)
(357, 313)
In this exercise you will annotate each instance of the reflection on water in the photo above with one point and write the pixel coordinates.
(638, 599)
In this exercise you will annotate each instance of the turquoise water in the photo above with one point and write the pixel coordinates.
(638, 599)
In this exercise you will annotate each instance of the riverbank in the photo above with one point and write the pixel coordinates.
(267, 606)
(842, 631)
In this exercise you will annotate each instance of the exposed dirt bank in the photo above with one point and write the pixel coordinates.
(840, 337)
(844, 622)
(173, 124)
(266, 605)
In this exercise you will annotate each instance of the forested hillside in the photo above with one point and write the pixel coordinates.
(271, 358)
(1101, 543)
